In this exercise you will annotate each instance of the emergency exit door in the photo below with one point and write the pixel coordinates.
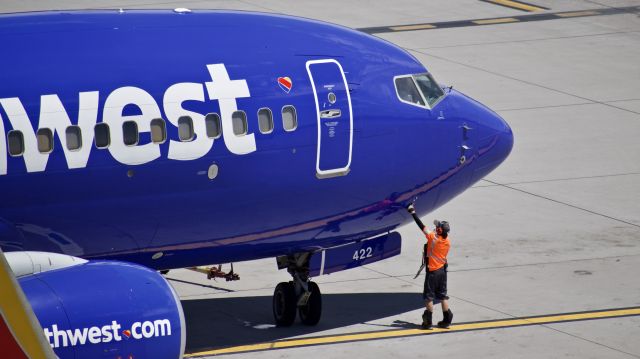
(335, 117)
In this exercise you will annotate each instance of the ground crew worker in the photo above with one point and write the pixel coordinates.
(435, 282)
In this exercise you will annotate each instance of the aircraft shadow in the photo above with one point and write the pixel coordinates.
(225, 322)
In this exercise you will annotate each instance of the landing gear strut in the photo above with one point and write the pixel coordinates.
(301, 294)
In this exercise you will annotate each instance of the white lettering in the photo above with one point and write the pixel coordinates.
(162, 327)
(59, 334)
(116, 328)
(34, 160)
(147, 329)
(226, 92)
(95, 335)
(77, 336)
(113, 107)
(173, 99)
(106, 334)
(55, 117)
(135, 332)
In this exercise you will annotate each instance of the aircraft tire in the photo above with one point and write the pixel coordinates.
(310, 313)
(284, 304)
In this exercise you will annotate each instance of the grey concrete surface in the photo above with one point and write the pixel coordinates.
(595, 339)
(555, 229)
(341, 12)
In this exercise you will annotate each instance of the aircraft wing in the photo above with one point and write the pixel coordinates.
(21, 335)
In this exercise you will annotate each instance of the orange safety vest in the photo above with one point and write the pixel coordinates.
(436, 251)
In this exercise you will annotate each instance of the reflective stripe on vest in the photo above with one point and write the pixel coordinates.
(430, 254)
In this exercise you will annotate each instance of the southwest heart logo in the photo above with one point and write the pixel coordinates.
(127, 333)
(285, 84)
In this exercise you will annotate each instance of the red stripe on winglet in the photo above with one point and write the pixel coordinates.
(10, 348)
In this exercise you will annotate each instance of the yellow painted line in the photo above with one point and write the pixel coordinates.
(516, 322)
(503, 20)
(412, 27)
(517, 5)
(19, 316)
(577, 13)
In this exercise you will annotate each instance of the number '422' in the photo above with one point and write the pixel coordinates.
(363, 253)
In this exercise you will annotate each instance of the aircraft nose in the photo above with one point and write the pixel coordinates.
(504, 136)
(496, 143)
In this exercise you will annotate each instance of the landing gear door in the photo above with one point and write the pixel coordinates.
(335, 117)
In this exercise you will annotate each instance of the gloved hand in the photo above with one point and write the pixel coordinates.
(411, 209)
(436, 223)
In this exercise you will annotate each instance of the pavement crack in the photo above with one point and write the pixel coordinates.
(588, 340)
(544, 107)
(259, 6)
(201, 285)
(627, 10)
(493, 184)
(565, 203)
(544, 263)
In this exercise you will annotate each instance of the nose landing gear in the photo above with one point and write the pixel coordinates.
(301, 294)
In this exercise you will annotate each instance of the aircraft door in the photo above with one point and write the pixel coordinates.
(335, 117)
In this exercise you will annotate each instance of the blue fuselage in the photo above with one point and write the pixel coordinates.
(236, 197)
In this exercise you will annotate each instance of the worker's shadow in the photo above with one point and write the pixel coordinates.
(224, 322)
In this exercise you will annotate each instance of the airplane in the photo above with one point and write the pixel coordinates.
(134, 141)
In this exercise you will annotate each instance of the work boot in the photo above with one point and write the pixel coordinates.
(447, 317)
(426, 319)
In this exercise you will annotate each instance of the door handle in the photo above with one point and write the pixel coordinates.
(330, 114)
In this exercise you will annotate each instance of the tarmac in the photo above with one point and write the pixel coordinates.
(545, 258)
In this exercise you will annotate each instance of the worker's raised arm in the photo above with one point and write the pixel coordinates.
(412, 211)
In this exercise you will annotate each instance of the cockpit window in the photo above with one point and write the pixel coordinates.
(429, 88)
(419, 90)
(407, 91)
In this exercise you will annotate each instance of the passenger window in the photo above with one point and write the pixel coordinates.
(430, 89)
(15, 142)
(158, 131)
(289, 118)
(130, 133)
(407, 91)
(74, 138)
(239, 119)
(185, 129)
(265, 120)
(45, 140)
(212, 121)
(102, 136)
